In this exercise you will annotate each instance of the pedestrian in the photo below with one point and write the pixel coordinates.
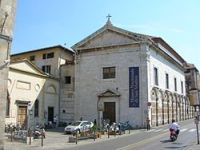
(55, 119)
(95, 122)
(148, 123)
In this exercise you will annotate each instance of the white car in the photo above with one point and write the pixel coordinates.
(78, 126)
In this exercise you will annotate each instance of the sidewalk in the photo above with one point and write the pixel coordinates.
(57, 140)
(193, 146)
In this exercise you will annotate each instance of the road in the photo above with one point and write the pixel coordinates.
(157, 138)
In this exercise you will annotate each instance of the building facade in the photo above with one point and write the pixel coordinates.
(30, 93)
(193, 85)
(113, 74)
(124, 76)
(7, 15)
(51, 87)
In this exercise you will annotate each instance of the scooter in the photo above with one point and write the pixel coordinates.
(173, 135)
(38, 131)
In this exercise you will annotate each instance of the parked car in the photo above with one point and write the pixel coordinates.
(78, 126)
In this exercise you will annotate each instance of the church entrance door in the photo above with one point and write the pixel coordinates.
(109, 111)
(22, 116)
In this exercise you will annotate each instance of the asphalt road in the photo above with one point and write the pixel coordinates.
(157, 138)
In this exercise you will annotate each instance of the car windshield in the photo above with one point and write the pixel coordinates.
(76, 123)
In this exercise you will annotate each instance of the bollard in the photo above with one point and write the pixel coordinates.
(29, 140)
(29, 135)
(42, 141)
(76, 137)
(94, 135)
(115, 131)
(11, 136)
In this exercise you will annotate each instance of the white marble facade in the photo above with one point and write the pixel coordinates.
(114, 47)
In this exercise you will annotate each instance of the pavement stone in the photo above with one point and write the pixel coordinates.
(55, 139)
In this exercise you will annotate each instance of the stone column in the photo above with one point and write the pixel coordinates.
(7, 13)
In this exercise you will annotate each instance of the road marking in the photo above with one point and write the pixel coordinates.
(158, 130)
(166, 130)
(182, 130)
(192, 130)
(134, 145)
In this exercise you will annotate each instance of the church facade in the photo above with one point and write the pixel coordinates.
(124, 76)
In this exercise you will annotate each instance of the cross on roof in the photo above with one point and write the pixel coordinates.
(108, 21)
(109, 16)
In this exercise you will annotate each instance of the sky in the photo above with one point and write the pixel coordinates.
(45, 23)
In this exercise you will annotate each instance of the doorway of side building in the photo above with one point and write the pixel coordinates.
(50, 114)
(22, 116)
(109, 111)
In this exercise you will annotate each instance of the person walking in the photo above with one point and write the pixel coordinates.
(148, 123)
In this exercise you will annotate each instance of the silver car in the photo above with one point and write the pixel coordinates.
(78, 126)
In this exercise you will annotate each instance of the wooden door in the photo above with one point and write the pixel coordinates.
(109, 111)
(22, 116)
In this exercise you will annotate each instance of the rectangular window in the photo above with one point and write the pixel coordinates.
(32, 58)
(44, 56)
(175, 84)
(46, 69)
(181, 86)
(155, 76)
(68, 80)
(48, 55)
(108, 72)
(167, 80)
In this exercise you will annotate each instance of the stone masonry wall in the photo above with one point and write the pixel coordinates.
(7, 13)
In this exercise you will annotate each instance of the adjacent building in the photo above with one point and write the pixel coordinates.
(193, 85)
(40, 87)
(7, 15)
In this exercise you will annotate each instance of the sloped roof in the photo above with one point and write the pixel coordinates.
(132, 35)
(45, 48)
(27, 67)
(108, 26)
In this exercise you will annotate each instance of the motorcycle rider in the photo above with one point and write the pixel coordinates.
(174, 126)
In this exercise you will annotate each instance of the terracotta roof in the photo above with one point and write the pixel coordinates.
(45, 48)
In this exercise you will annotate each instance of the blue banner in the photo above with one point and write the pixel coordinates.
(134, 87)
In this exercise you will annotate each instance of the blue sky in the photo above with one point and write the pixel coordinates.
(44, 23)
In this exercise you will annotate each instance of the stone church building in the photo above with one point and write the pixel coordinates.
(124, 76)
(113, 74)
